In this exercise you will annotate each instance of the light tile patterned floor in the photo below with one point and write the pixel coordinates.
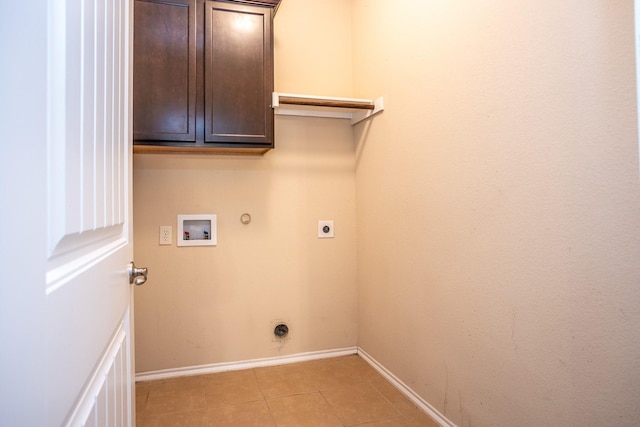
(338, 392)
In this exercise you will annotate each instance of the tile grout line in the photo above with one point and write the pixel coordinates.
(264, 398)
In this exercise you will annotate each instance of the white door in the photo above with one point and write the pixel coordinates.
(66, 319)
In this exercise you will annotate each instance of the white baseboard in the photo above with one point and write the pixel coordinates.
(407, 391)
(245, 364)
(295, 358)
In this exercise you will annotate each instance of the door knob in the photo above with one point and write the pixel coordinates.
(137, 275)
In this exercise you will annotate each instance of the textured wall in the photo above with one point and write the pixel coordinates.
(206, 305)
(499, 207)
(216, 304)
(313, 47)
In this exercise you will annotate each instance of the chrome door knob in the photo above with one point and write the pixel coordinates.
(137, 275)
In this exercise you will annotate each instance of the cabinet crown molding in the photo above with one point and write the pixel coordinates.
(275, 4)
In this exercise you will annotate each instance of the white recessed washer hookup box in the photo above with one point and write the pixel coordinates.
(197, 230)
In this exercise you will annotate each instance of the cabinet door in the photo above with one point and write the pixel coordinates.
(164, 70)
(238, 74)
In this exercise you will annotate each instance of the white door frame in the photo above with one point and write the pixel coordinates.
(22, 212)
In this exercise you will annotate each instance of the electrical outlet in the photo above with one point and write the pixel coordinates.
(165, 234)
(325, 229)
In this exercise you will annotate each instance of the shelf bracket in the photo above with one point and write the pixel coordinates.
(378, 107)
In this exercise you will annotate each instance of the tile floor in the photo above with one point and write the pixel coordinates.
(337, 392)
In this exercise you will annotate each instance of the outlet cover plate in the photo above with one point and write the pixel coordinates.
(166, 235)
(325, 229)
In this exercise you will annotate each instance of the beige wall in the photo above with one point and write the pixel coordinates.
(208, 305)
(497, 203)
(313, 47)
(499, 207)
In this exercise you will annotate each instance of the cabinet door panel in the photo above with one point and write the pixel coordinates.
(164, 70)
(238, 74)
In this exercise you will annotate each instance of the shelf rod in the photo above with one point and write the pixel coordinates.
(326, 103)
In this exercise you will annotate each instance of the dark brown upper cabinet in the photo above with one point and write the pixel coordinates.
(164, 71)
(238, 73)
(203, 76)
